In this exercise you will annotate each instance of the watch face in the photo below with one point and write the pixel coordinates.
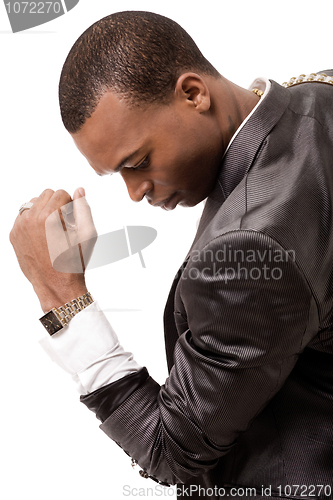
(51, 323)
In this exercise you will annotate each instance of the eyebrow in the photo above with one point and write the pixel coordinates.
(122, 163)
(126, 160)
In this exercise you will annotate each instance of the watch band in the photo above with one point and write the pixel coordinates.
(59, 317)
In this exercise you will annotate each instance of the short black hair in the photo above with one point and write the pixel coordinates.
(139, 55)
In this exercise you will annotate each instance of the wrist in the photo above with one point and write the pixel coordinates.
(55, 298)
(58, 318)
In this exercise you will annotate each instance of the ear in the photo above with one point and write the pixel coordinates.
(192, 88)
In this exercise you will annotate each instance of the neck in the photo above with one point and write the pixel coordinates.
(232, 104)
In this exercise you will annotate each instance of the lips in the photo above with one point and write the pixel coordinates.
(171, 202)
(167, 204)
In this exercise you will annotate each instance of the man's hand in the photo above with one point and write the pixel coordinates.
(43, 235)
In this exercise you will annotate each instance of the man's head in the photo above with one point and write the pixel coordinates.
(138, 97)
(138, 55)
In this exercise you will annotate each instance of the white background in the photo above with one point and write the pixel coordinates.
(51, 445)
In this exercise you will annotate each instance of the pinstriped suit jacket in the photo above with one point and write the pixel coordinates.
(249, 320)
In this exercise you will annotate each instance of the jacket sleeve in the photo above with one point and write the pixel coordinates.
(242, 309)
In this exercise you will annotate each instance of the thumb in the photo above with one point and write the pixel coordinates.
(81, 209)
(79, 193)
(81, 236)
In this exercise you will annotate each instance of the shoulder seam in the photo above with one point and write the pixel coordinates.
(277, 243)
(307, 116)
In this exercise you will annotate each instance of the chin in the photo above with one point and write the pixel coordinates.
(189, 204)
(186, 204)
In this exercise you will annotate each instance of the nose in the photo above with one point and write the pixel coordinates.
(137, 188)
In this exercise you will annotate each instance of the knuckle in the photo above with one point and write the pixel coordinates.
(28, 218)
(26, 215)
(62, 194)
(41, 217)
(48, 191)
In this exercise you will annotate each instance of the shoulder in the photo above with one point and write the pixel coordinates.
(242, 255)
(241, 282)
(313, 100)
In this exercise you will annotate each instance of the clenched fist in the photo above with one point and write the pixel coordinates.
(53, 242)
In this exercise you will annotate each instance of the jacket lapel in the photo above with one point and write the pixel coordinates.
(236, 163)
(241, 155)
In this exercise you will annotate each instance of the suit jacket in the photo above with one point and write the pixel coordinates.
(249, 321)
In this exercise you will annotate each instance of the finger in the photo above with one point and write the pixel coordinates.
(39, 203)
(86, 231)
(46, 194)
(81, 208)
(79, 192)
(56, 201)
(24, 212)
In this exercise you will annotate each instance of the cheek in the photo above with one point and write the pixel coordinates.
(172, 167)
(183, 172)
(186, 161)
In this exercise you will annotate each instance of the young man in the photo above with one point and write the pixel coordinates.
(249, 316)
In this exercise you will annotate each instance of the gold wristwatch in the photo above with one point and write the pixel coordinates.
(59, 317)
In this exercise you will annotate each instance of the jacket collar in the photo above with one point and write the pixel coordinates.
(243, 150)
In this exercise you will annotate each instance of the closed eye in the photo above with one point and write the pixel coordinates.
(143, 164)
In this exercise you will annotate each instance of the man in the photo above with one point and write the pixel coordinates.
(247, 407)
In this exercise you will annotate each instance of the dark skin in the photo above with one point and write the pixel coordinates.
(175, 149)
(169, 154)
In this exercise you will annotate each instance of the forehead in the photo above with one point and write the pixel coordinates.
(114, 131)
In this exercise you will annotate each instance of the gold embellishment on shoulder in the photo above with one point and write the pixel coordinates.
(312, 77)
